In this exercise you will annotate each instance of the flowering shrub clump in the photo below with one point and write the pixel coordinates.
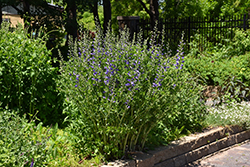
(122, 89)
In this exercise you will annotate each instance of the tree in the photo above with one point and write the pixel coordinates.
(153, 11)
(89, 6)
(71, 24)
(1, 15)
(107, 14)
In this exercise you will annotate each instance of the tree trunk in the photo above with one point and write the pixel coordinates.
(107, 14)
(153, 11)
(96, 15)
(154, 8)
(1, 15)
(26, 11)
(71, 27)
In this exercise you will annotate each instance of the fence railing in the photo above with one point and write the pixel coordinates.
(212, 29)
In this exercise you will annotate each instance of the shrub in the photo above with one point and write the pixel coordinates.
(21, 142)
(27, 79)
(217, 64)
(120, 90)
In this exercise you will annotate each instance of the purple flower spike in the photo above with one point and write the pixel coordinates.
(32, 163)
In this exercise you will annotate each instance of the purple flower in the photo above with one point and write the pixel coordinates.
(127, 84)
(155, 85)
(75, 85)
(32, 163)
(49, 137)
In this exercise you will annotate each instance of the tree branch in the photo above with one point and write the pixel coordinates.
(146, 9)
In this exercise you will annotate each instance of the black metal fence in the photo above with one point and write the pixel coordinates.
(211, 29)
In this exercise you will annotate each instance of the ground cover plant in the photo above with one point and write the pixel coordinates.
(22, 144)
(229, 114)
(123, 92)
(27, 78)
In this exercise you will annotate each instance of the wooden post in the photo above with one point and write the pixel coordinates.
(245, 22)
(132, 22)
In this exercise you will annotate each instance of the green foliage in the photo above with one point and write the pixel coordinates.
(119, 91)
(217, 64)
(204, 8)
(87, 19)
(27, 79)
(22, 142)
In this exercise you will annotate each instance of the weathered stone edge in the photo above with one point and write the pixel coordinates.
(184, 152)
(191, 156)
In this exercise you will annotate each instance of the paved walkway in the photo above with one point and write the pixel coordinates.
(238, 156)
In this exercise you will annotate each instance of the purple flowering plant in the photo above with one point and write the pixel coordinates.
(121, 89)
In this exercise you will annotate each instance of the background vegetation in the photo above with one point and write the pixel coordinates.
(110, 89)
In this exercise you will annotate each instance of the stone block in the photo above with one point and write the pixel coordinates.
(213, 147)
(180, 160)
(163, 153)
(167, 163)
(240, 137)
(197, 154)
(222, 143)
(231, 140)
(185, 147)
(144, 159)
